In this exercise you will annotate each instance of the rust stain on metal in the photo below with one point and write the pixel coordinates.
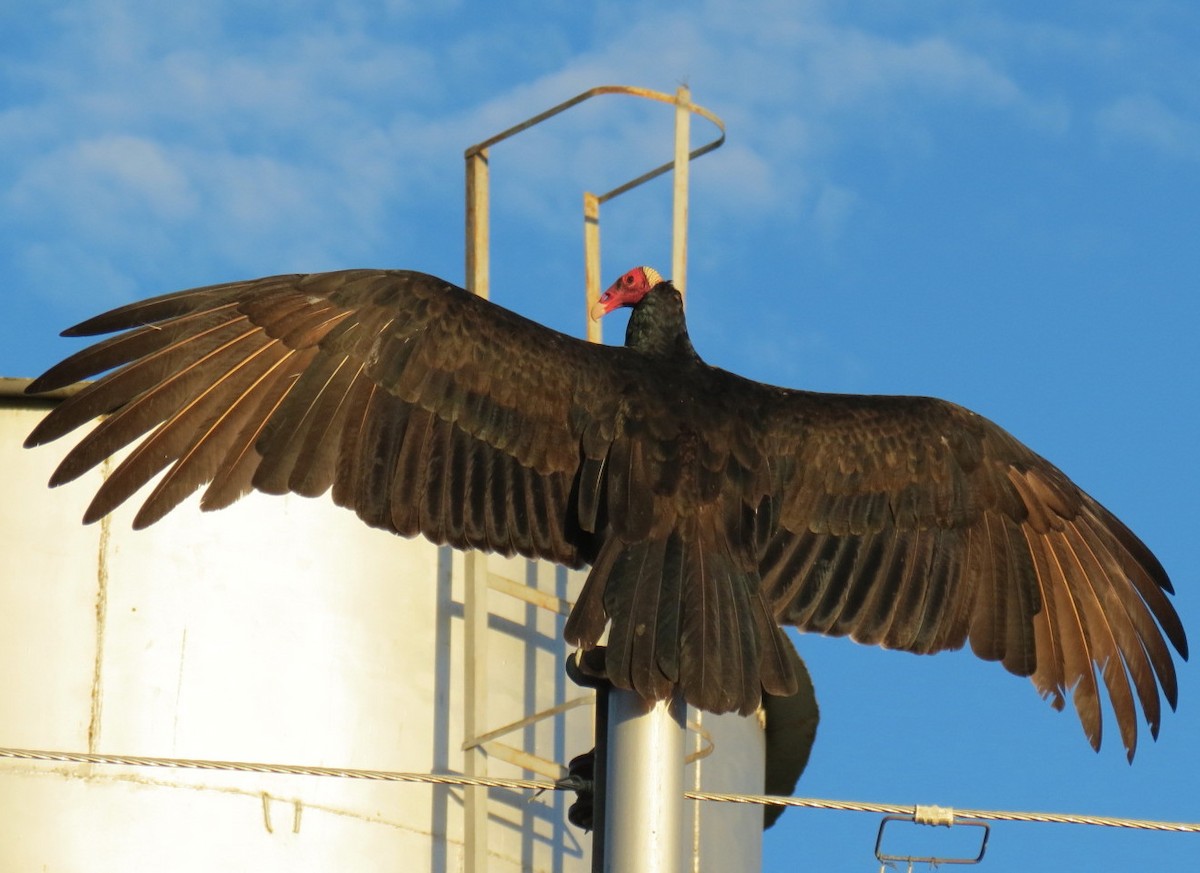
(266, 803)
(297, 812)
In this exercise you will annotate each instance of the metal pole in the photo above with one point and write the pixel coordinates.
(478, 206)
(475, 600)
(643, 804)
(683, 119)
(591, 261)
(600, 777)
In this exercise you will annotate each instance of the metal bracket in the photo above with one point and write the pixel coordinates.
(932, 860)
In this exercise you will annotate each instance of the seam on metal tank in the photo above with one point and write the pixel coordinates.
(256, 794)
(179, 689)
(93, 732)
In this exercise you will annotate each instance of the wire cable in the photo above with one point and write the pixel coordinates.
(944, 815)
(283, 769)
(949, 814)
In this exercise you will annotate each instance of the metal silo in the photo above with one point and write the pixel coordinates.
(281, 631)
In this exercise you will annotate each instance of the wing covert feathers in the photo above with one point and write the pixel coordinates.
(413, 400)
(915, 524)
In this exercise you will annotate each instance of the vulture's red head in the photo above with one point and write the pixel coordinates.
(626, 291)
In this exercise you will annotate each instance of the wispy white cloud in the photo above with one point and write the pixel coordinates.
(1145, 120)
(110, 175)
(318, 135)
(144, 119)
(793, 86)
(852, 67)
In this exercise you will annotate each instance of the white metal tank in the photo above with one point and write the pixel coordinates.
(280, 630)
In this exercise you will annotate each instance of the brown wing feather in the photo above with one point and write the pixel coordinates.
(907, 522)
(922, 526)
(408, 396)
(431, 411)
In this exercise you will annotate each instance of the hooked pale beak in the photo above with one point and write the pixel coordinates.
(608, 301)
(603, 306)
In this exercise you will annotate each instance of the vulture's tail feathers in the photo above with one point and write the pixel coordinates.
(682, 614)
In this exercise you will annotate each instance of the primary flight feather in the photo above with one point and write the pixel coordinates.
(711, 508)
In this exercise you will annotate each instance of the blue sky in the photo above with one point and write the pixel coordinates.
(996, 203)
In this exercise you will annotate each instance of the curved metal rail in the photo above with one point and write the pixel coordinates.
(478, 196)
(599, 90)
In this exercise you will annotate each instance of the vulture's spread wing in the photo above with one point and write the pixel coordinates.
(426, 409)
(916, 524)
(703, 501)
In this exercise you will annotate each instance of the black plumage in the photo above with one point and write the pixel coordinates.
(711, 508)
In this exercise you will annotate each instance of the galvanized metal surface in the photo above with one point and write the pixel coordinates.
(643, 810)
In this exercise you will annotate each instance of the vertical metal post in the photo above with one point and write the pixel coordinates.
(600, 777)
(475, 599)
(591, 261)
(478, 206)
(697, 785)
(683, 121)
(643, 804)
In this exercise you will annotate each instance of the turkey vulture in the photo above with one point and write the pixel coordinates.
(711, 508)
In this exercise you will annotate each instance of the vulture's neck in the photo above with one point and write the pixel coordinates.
(657, 326)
